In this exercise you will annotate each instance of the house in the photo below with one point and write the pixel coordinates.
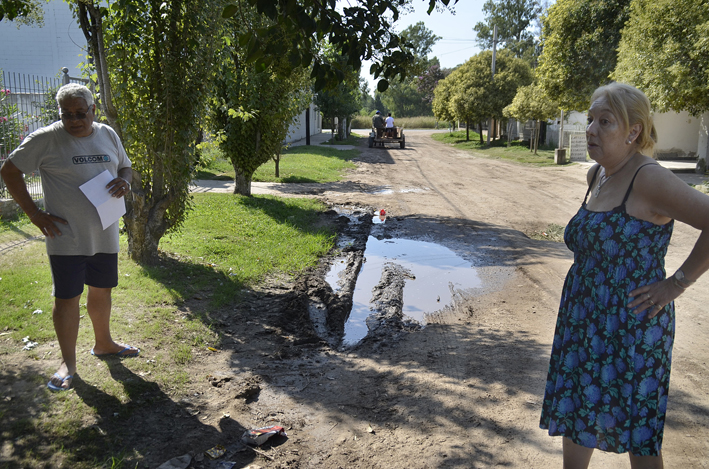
(43, 51)
(679, 134)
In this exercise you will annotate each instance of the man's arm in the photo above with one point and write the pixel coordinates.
(15, 183)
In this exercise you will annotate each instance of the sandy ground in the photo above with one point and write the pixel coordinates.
(464, 391)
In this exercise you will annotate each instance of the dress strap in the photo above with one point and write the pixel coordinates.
(593, 179)
(630, 188)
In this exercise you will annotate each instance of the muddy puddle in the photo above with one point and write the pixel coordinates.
(389, 281)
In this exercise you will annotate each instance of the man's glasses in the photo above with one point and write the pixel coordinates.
(69, 116)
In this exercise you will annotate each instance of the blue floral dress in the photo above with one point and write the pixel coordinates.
(609, 371)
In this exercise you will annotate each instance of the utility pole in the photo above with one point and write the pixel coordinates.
(494, 53)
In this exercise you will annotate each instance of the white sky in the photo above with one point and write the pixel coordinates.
(458, 38)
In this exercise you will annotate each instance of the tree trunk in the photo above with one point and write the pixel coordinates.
(242, 184)
(91, 22)
(467, 131)
(536, 136)
(145, 223)
(531, 136)
(242, 181)
(277, 159)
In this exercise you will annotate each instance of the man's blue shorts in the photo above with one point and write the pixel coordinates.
(70, 273)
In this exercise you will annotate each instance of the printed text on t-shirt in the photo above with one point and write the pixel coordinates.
(88, 159)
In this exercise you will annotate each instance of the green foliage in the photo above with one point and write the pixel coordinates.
(342, 100)
(22, 11)
(531, 102)
(153, 61)
(470, 94)
(254, 105)
(513, 19)
(360, 30)
(579, 41)
(12, 128)
(665, 52)
(403, 99)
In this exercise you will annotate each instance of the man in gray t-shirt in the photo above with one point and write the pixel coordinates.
(67, 154)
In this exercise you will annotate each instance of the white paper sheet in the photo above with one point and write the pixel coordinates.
(110, 209)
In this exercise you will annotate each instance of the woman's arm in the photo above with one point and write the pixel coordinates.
(660, 196)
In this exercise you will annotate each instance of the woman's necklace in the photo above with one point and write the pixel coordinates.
(604, 179)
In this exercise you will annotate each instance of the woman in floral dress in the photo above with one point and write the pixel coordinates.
(609, 371)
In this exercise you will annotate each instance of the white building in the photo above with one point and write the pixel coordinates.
(44, 51)
(679, 135)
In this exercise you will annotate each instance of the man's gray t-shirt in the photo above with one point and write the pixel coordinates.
(66, 162)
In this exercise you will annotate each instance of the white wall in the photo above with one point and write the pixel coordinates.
(43, 51)
(677, 134)
(296, 130)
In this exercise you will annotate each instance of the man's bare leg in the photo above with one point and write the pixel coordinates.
(98, 305)
(65, 315)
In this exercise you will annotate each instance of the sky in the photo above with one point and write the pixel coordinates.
(457, 43)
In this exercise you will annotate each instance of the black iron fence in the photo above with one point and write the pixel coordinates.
(27, 102)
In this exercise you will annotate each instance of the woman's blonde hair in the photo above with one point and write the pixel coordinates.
(631, 106)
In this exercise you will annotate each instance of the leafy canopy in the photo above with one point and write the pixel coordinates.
(579, 42)
(513, 18)
(472, 93)
(360, 30)
(665, 52)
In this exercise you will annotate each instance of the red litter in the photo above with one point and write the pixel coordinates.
(382, 212)
(259, 436)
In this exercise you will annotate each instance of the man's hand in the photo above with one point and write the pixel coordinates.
(46, 222)
(118, 187)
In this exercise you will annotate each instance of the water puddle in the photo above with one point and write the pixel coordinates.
(436, 273)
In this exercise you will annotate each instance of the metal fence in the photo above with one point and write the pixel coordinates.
(27, 102)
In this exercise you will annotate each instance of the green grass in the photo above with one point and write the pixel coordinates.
(299, 164)
(517, 152)
(418, 122)
(353, 139)
(228, 243)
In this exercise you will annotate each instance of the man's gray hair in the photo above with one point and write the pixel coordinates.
(74, 90)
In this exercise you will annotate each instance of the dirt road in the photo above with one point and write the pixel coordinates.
(464, 391)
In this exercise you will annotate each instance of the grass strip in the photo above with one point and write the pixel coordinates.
(228, 243)
(517, 152)
(300, 164)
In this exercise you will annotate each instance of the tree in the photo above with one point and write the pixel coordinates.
(361, 30)
(343, 100)
(405, 100)
(153, 60)
(665, 52)
(532, 103)
(476, 96)
(253, 107)
(513, 19)
(22, 11)
(367, 103)
(420, 40)
(429, 79)
(441, 98)
(403, 97)
(579, 42)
